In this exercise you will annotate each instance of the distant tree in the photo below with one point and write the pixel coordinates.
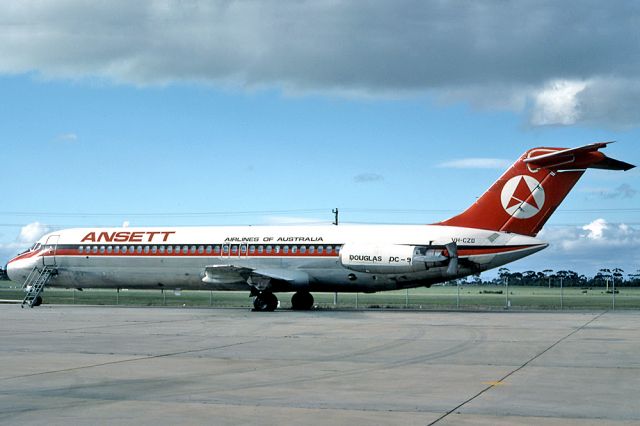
(548, 273)
(584, 280)
(476, 280)
(617, 275)
(3, 275)
(515, 278)
(562, 277)
(504, 273)
(529, 278)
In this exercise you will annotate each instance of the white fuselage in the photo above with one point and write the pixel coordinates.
(311, 258)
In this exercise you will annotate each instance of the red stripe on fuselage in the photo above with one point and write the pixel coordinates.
(26, 255)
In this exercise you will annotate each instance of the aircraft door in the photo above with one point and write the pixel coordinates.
(49, 251)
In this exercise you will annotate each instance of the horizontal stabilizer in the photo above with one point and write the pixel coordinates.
(582, 157)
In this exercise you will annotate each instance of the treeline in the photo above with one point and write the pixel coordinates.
(3, 275)
(566, 278)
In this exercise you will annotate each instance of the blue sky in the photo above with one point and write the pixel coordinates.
(122, 117)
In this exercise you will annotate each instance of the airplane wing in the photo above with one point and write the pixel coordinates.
(230, 274)
(226, 274)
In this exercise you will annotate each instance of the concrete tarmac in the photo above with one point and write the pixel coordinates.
(115, 365)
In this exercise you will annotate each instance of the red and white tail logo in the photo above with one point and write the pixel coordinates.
(522, 197)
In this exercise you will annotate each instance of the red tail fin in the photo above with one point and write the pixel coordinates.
(526, 195)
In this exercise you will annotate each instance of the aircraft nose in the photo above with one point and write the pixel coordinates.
(10, 271)
(17, 270)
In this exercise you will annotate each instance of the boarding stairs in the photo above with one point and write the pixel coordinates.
(35, 282)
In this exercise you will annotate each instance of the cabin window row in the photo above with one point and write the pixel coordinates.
(224, 249)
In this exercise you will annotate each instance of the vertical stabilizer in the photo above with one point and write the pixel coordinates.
(525, 196)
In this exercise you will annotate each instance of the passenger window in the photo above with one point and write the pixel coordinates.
(319, 249)
(95, 249)
(311, 249)
(161, 249)
(337, 249)
(80, 249)
(139, 250)
(243, 249)
(225, 249)
(185, 249)
(269, 249)
(132, 249)
(109, 249)
(208, 250)
(285, 249)
(277, 249)
(303, 249)
(234, 249)
(252, 249)
(116, 249)
(294, 249)
(260, 249)
(154, 249)
(146, 249)
(169, 249)
(176, 251)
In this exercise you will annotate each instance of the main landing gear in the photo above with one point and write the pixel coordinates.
(265, 301)
(301, 301)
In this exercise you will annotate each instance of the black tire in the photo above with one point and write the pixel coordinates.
(38, 301)
(302, 301)
(265, 302)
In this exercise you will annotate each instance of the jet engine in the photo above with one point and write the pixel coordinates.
(398, 259)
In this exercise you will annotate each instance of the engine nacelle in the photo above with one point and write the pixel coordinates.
(383, 259)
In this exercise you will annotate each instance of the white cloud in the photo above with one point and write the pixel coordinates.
(477, 163)
(589, 247)
(67, 137)
(622, 191)
(492, 54)
(28, 235)
(368, 177)
(557, 103)
(596, 229)
(32, 232)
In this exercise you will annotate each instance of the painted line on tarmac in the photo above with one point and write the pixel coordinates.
(122, 361)
(501, 380)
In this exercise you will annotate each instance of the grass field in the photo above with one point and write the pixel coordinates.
(438, 297)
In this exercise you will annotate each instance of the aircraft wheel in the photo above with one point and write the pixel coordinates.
(38, 301)
(301, 301)
(265, 302)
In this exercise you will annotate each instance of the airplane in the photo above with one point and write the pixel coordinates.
(498, 228)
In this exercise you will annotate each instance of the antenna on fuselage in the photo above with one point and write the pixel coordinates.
(335, 214)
